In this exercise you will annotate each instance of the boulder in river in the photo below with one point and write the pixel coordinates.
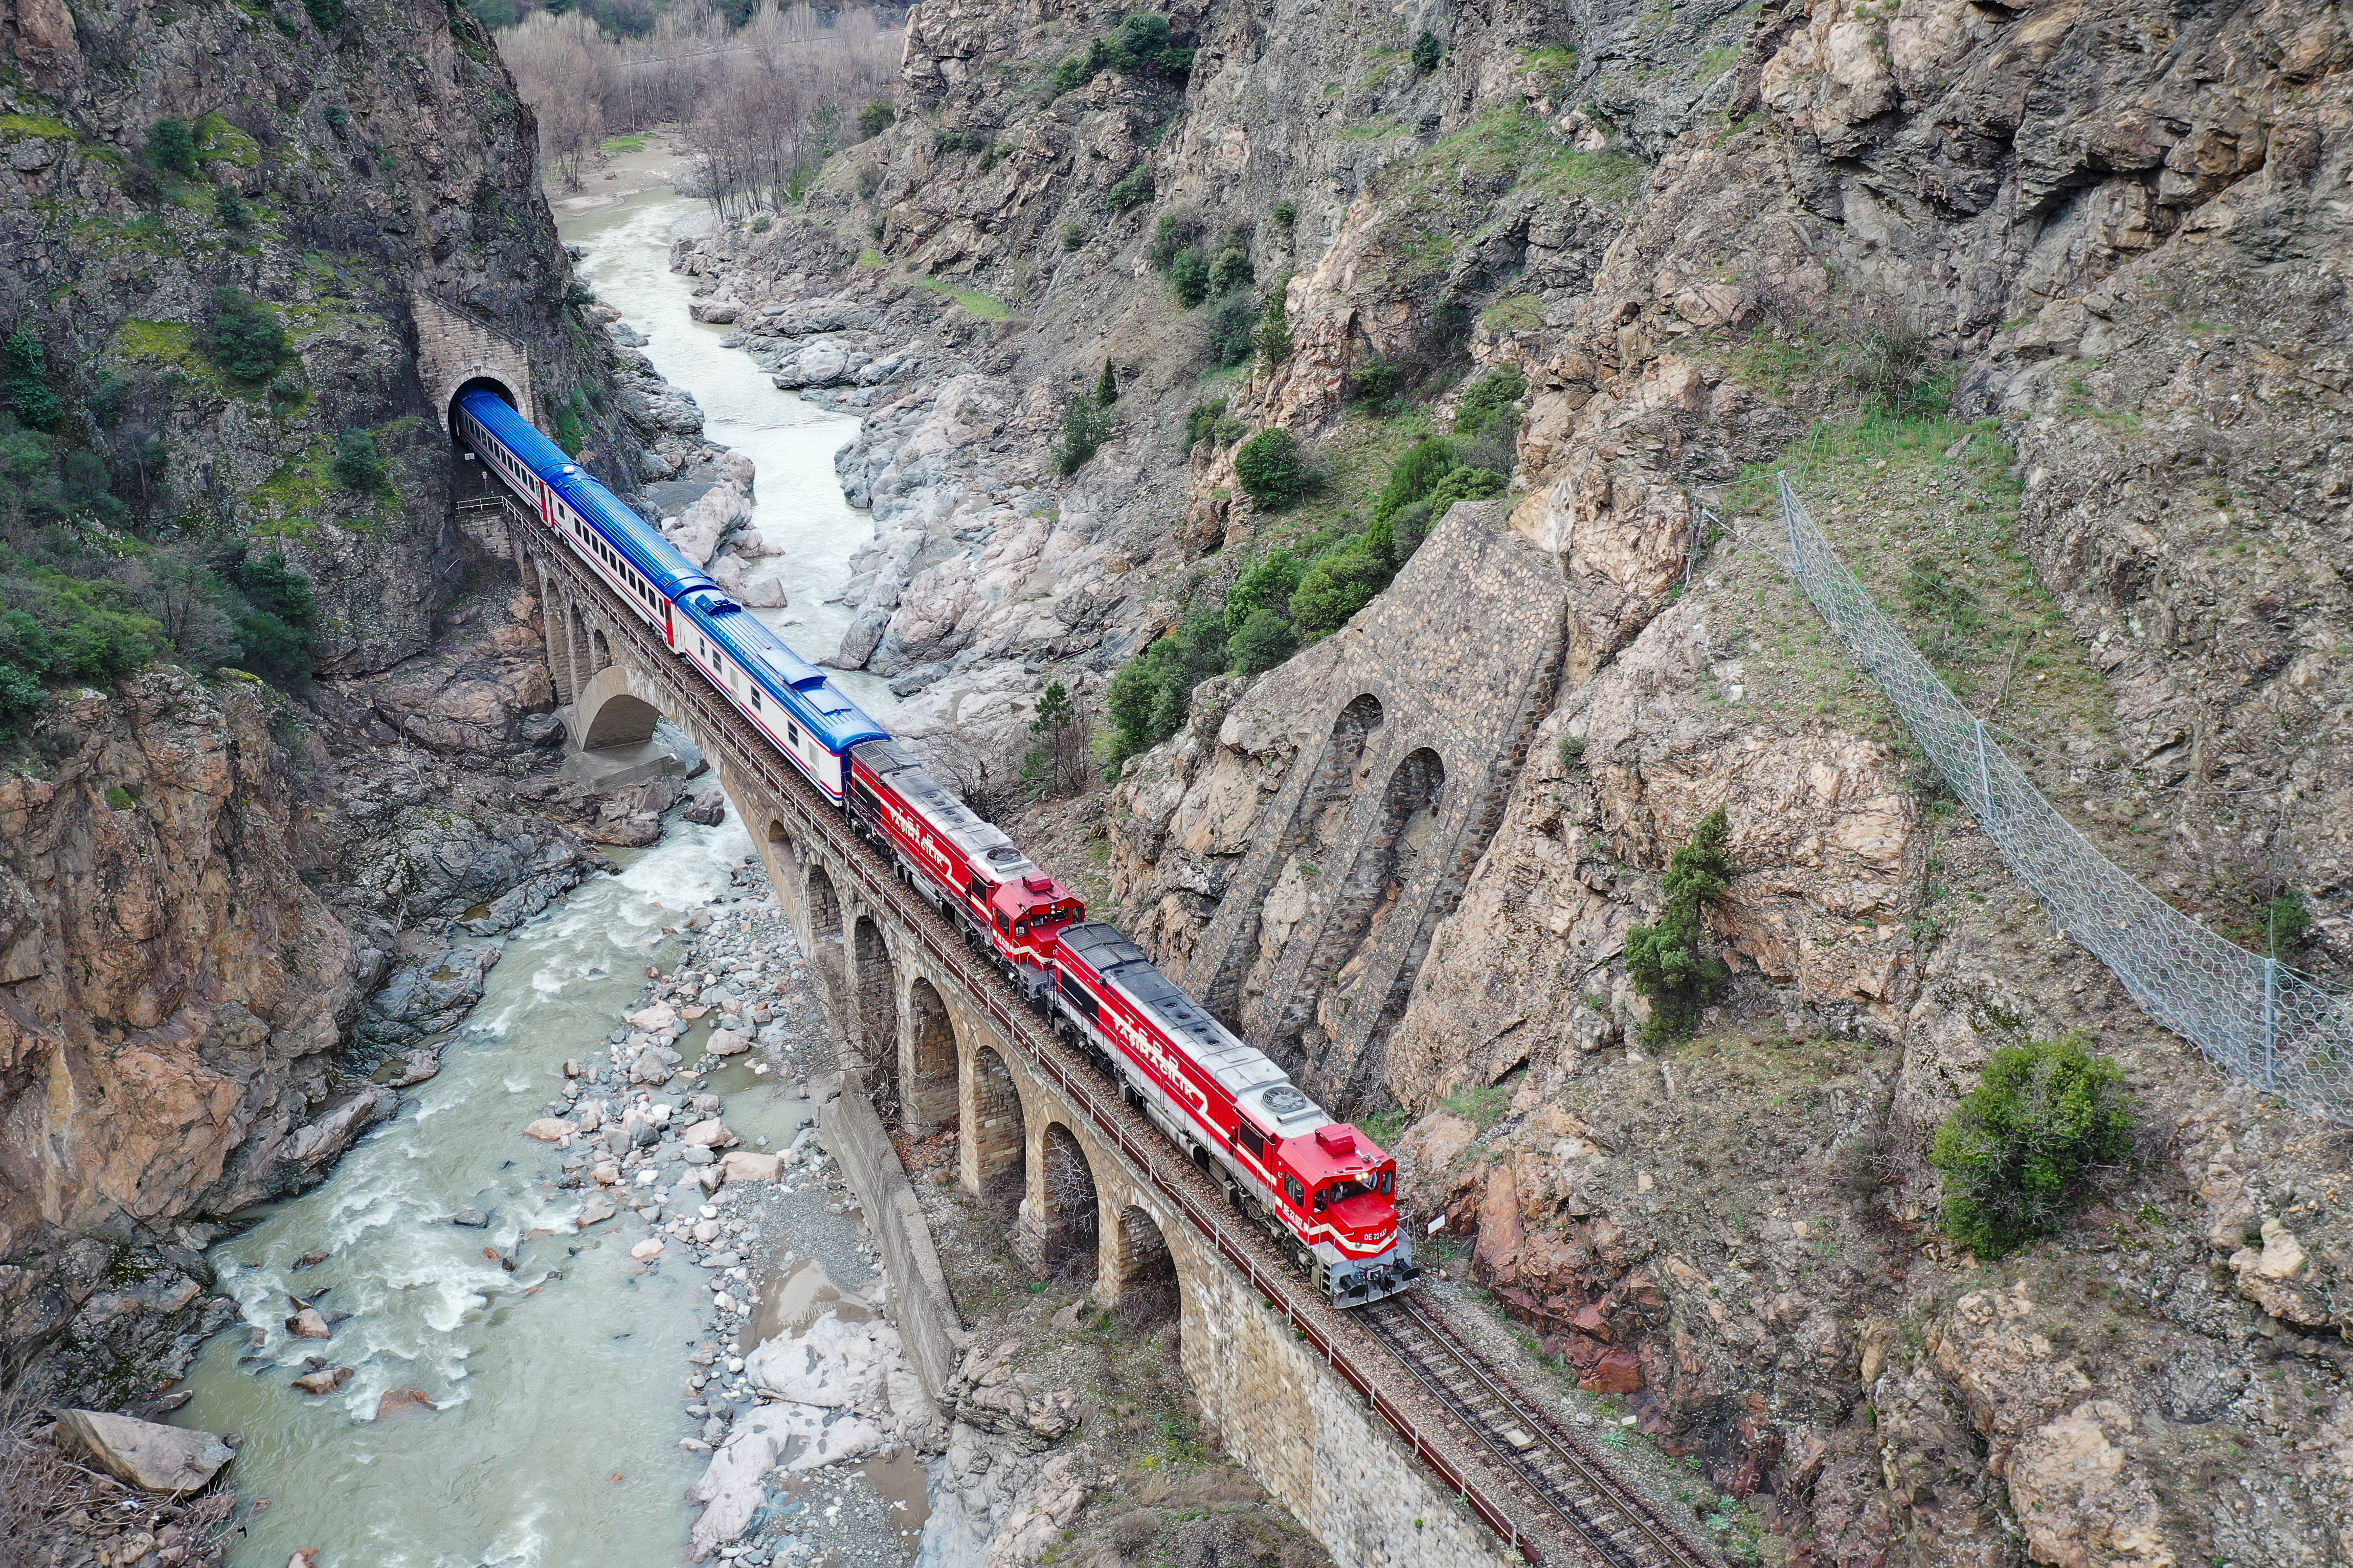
(551, 1130)
(472, 1219)
(309, 1324)
(654, 1019)
(144, 1453)
(743, 1165)
(403, 1402)
(596, 1211)
(326, 1380)
(710, 1133)
(729, 1042)
(651, 1246)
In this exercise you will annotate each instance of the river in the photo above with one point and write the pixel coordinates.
(798, 502)
(557, 1437)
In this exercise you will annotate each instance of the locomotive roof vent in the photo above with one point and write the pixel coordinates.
(1004, 852)
(1283, 1099)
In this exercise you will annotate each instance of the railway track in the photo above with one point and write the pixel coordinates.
(1547, 1464)
(1544, 1472)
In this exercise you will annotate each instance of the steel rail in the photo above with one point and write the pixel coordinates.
(1185, 1188)
(1551, 1463)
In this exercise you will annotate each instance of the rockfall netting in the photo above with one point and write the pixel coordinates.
(2257, 1017)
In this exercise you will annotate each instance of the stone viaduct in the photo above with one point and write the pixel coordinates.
(1302, 1395)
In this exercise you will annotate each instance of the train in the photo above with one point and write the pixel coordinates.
(1317, 1185)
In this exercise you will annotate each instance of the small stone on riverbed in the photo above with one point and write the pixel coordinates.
(472, 1219)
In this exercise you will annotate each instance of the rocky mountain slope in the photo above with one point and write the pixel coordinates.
(2042, 307)
(209, 879)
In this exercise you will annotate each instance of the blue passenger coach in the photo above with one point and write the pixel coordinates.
(792, 701)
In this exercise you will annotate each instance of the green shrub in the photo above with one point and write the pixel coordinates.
(1143, 45)
(229, 207)
(1134, 189)
(2015, 1152)
(1335, 588)
(172, 147)
(946, 141)
(1493, 407)
(243, 339)
(1273, 471)
(1202, 422)
(570, 434)
(1233, 328)
(1188, 278)
(875, 119)
(106, 644)
(20, 694)
(1273, 338)
(1106, 387)
(1264, 641)
(275, 630)
(1075, 235)
(1665, 962)
(1056, 766)
(1172, 235)
(1264, 586)
(338, 118)
(328, 15)
(1414, 476)
(1426, 51)
(1148, 699)
(1230, 270)
(1285, 214)
(2285, 927)
(25, 379)
(1086, 425)
(1375, 385)
(357, 465)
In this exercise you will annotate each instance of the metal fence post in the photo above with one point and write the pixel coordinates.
(2270, 1023)
(1985, 779)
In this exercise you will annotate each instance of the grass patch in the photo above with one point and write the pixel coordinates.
(173, 342)
(985, 307)
(624, 144)
(219, 142)
(39, 125)
(1513, 313)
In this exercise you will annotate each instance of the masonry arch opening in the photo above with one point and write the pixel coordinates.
(877, 1016)
(1069, 1223)
(1362, 909)
(928, 1092)
(999, 1137)
(1148, 1295)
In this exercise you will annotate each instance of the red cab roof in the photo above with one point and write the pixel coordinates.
(1330, 1151)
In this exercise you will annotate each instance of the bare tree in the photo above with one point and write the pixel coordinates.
(762, 104)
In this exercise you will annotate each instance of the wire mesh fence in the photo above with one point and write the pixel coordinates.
(2259, 1018)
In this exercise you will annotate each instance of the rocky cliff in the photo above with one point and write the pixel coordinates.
(2043, 308)
(230, 905)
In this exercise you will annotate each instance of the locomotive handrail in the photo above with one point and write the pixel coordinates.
(1040, 1048)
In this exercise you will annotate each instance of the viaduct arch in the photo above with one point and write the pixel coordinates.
(1088, 1186)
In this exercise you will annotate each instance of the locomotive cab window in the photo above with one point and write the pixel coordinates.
(1004, 924)
(1388, 1184)
(1294, 1192)
(1021, 930)
(1323, 1199)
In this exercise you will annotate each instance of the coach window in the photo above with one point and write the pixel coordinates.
(1294, 1192)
